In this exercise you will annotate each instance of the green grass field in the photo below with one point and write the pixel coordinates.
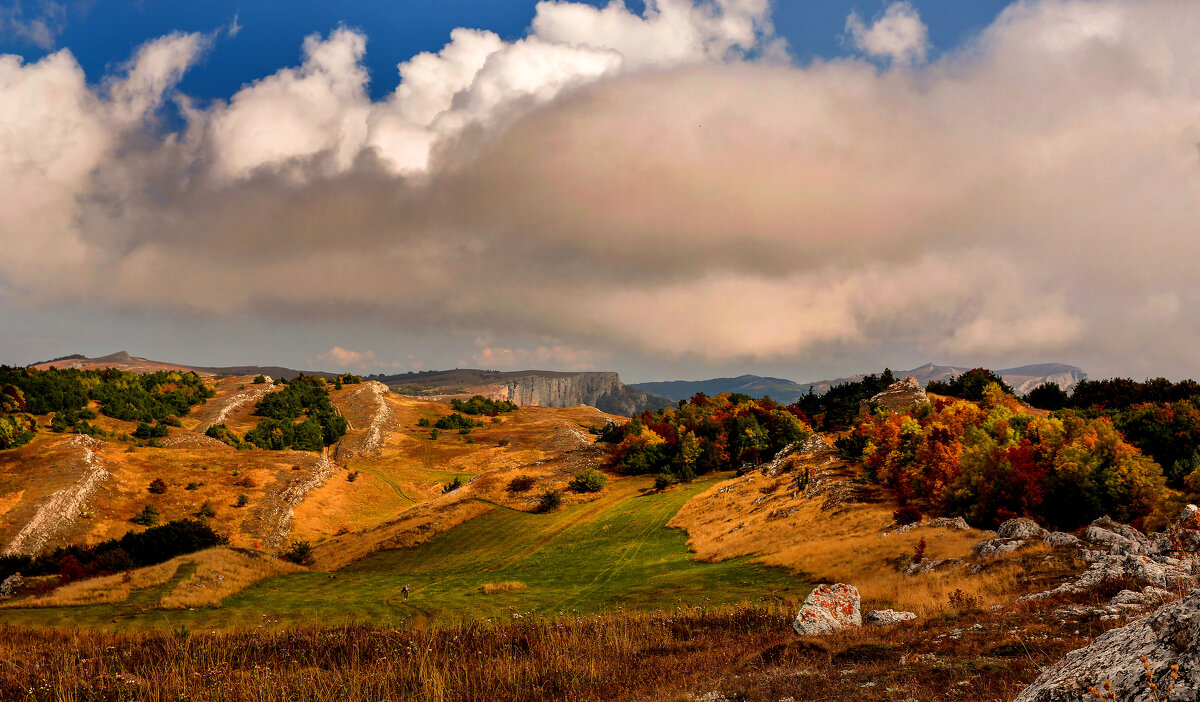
(614, 552)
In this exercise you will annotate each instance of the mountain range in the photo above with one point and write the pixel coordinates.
(1022, 379)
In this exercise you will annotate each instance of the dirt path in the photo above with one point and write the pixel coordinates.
(62, 508)
(274, 520)
(252, 393)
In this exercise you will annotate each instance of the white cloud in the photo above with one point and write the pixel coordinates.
(341, 358)
(609, 184)
(898, 34)
(40, 27)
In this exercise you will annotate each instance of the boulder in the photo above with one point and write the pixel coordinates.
(994, 548)
(1168, 637)
(11, 584)
(828, 609)
(1061, 539)
(1020, 528)
(884, 617)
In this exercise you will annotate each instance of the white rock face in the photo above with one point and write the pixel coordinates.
(885, 617)
(1169, 636)
(828, 609)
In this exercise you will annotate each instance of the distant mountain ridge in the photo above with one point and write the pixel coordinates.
(1022, 379)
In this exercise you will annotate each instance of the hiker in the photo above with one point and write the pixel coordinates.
(405, 591)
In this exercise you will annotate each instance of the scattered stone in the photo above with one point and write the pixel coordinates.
(928, 566)
(994, 548)
(827, 609)
(885, 617)
(1169, 636)
(11, 585)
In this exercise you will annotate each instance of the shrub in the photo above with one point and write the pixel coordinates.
(242, 500)
(158, 486)
(206, 510)
(464, 430)
(260, 379)
(482, 405)
(590, 480)
(452, 485)
(424, 422)
(521, 483)
(147, 517)
(503, 442)
(352, 476)
(193, 486)
(300, 552)
(549, 501)
(907, 514)
(662, 481)
(246, 482)
(433, 434)
(919, 551)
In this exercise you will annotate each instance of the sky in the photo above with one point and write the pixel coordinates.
(678, 189)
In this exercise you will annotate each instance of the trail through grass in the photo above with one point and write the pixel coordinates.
(614, 552)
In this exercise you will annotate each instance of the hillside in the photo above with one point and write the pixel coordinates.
(1022, 379)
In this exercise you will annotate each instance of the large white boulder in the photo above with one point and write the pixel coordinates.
(829, 609)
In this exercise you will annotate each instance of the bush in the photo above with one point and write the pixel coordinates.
(352, 476)
(424, 422)
(907, 514)
(455, 420)
(193, 486)
(147, 517)
(433, 434)
(662, 481)
(521, 483)
(503, 442)
(242, 500)
(482, 405)
(246, 482)
(549, 501)
(260, 379)
(158, 486)
(206, 511)
(452, 485)
(299, 552)
(590, 480)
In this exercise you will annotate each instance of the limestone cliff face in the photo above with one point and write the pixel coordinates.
(604, 391)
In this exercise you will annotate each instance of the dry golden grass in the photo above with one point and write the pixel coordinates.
(221, 572)
(509, 586)
(855, 543)
(416, 526)
(108, 588)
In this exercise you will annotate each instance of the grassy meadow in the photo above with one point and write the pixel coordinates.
(614, 552)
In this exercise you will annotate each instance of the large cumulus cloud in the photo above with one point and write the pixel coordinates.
(663, 183)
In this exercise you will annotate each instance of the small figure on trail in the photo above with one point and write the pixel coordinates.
(405, 591)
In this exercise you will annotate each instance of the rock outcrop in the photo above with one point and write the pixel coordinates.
(829, 609)
(901, 395)
(1168, 637)
(1119, 553)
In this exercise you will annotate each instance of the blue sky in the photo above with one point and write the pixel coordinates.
(585, 187)
(103, 35)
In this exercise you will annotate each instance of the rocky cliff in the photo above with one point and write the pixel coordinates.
(604, 391)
